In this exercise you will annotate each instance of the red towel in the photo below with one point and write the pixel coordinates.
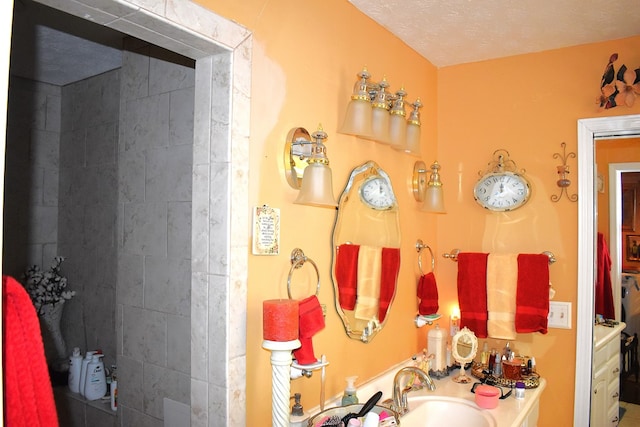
(428, 294)
(347, 275)
(27, 387)
(388, 279)
(311, 322)
(604, 290)
(472, 292)
(532, 294)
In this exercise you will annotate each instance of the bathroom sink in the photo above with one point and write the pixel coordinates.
(438, 411)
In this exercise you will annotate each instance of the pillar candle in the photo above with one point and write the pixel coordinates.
(280, 320)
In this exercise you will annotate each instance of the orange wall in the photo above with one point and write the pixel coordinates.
(305, 58)
(528, 105)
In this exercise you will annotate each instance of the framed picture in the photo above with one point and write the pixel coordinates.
(629, 208)
(633, 247)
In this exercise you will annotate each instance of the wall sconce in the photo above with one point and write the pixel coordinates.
(307, 167)
(428, 192)
(374, 113)
(563, 170)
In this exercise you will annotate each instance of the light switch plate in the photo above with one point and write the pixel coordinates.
(559, 315)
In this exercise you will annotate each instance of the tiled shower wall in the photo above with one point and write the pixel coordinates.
(155, 162)
(31, 182)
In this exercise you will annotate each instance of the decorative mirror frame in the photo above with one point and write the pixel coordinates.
(364, 226)
(463, 360)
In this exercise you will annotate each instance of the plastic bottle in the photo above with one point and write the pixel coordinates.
(83, 370)
(350, 397)
(96, 382)
(75, 368)
(484, 357)
(497, 366)
(519, 390)
(114, 394)
(437, 345)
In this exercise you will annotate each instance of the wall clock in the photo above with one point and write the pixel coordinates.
(376, 193)
(501, 187)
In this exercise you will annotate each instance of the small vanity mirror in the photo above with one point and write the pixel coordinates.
(366, 251)
(464, 347)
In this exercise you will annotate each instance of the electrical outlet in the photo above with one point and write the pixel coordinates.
(559, 315)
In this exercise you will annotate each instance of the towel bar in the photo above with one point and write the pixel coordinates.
(453, 255)
(298, 258)
(419, 247)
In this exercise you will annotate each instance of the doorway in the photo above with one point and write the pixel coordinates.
(221, 50)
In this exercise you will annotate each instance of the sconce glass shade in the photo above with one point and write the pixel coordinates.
(357, 120)
(380, 116)
(413, 130)
(317, 187)
(434, 195)
(317, 184)
(397, 122)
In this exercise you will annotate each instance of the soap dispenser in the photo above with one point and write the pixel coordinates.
(350, 397)
(297, 418)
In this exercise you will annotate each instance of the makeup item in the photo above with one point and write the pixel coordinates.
(487, 396)
(497, 366)
(492, 361)
(519, 390)
(484, 356)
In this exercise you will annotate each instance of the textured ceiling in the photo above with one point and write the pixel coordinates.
(449, 32)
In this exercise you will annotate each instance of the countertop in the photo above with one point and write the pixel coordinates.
(602, 334)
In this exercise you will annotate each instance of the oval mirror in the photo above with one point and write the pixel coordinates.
(366, 251)
(464, 347)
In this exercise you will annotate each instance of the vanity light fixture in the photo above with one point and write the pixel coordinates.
(428, 192)
(307, 167)
(374, 113)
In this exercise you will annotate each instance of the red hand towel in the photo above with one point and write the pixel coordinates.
(311, 322)
(428, 294)
(604, 290)
(388, 279)
(27, 388)
(347, 275)
(532, 295)
(472, 292)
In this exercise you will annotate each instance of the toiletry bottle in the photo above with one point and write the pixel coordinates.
(484, 357)
(350, 397)
(297, 417)
(492, 361)
(533, 364)
(113, 389)
(75, 367)
(507, 351)
(497, 366)
(96, 382)
(519, 390)
(371, 420)
(83, 370)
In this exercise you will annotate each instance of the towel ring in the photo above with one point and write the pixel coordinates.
(298, 258)
(419, 247)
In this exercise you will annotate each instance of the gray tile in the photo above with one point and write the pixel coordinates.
(100, 418)
(181, 117)
(131, 176)
(167, 285)
(102, 143)
(169, 71)
(144, 335)
(135, 73)
(146, 122)
(161, 382)
(133, 418)
(145, 229)
(168, 174)
(130, 383)
(179, 229)
(130, 279)
(44, 148)
(199, 326)
(179, 343)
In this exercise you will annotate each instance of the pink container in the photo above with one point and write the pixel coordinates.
(487, 396)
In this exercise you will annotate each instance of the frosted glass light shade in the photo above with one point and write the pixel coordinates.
(397, 131)
(380, 125)
(434, 199)
(317, 187)
(357, 120)
(412, 139)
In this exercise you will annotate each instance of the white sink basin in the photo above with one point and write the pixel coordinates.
(438, 411)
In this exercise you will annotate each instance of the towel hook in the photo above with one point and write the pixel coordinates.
(419, 247)
(298, 258)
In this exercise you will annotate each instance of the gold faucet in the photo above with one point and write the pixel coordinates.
(400, 404)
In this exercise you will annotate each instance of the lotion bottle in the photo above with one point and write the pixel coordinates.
(83, 370)
(96, 381)
(75, 368)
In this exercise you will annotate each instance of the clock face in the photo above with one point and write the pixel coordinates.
(502, 191)
(376, 193)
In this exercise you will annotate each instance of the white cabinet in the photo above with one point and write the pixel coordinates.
(605, 386)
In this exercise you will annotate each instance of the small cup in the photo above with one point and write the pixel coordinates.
(512, 369)
(487, 396)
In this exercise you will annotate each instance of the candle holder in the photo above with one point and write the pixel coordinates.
(280, 379)
(563, 170)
